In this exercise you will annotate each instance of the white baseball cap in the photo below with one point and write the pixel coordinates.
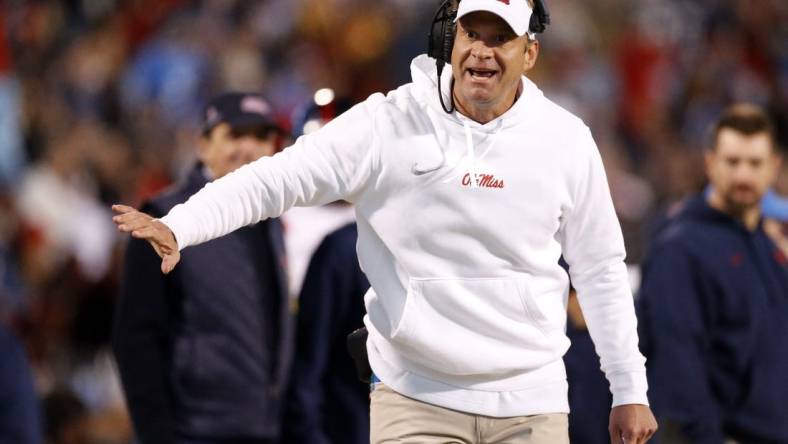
(516, 13)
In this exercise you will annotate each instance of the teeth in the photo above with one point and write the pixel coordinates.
(481, 73)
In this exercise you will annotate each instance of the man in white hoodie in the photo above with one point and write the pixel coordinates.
(463, 212)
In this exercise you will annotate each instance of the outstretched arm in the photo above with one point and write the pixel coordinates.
(336, 162)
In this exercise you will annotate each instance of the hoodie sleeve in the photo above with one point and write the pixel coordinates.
(334, 163)
(593, 246)
(677, 343)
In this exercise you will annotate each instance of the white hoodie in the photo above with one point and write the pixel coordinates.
(467, 308)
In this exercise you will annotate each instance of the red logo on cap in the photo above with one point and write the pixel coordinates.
(504, 1)
(255, 105)
(211, 115)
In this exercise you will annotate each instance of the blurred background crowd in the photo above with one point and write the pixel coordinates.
(99, 103)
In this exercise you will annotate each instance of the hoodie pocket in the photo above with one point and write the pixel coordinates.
(474, 326)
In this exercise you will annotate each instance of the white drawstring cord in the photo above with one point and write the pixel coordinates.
(470, 154)
(470, 158)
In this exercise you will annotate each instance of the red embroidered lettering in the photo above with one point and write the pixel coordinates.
(483, 181)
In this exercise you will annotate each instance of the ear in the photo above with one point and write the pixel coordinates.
(203, 144)
(778, 165)
(531, 54)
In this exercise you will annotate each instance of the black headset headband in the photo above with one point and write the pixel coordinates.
(441, 37)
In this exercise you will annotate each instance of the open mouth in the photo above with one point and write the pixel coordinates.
(481, 73)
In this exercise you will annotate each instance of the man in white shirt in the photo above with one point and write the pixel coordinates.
(463, 211)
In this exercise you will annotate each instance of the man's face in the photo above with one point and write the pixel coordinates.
(488, 60)
(224, 149)
(741, 168)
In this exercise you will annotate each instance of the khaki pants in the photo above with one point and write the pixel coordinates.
(398, 419)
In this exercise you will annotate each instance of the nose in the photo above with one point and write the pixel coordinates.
(480, 50)
(252, 148)
(247, 143)
(743, 173)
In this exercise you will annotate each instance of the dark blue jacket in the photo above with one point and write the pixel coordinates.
(589, 396)
(20, 411)
(204, 351)
(713, 310)
(326, 401)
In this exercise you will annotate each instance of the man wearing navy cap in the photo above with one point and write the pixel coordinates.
(203, 352)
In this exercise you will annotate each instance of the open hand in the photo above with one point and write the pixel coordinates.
(631, 424)
(144, 226)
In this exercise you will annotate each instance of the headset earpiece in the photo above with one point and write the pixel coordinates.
(540, 18)
(441, 41)
(441, 38)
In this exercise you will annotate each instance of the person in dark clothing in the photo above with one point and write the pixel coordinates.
(204, 352)
(713, 304)
(326, 402)
(589, 396)
(20, 413)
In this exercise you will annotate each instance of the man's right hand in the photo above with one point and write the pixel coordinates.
(143, 226)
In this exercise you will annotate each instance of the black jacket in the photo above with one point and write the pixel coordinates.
(204, 351)
(713, 311)
(589, 396)
(326, 401)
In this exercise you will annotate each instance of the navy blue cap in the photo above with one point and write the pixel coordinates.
(239, 110)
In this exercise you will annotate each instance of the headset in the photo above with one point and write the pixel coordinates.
(441, 37)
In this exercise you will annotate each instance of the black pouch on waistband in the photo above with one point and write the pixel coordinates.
(357, 346)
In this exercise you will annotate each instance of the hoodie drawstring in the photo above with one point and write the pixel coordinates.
(470, 156)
